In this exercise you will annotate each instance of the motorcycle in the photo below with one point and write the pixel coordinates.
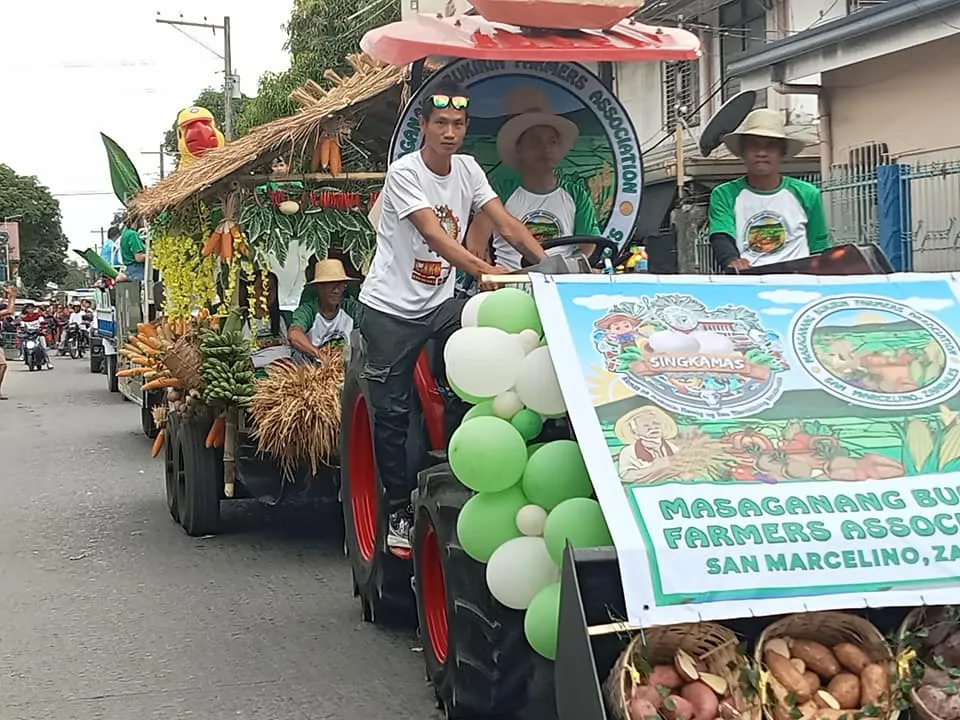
(33, 355)
(73, 340)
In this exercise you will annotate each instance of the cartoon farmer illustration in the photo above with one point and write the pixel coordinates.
(647, 433)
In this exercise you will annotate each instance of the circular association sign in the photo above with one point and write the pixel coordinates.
(606, 155)
(877, 353)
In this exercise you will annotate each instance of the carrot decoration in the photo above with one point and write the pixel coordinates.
(158, 443)
(146, 330)
(317, 160)
(132, 372)
(216, 428)
(226, 247)
(325, 145)
(160, 384)
(212, 245)
(336, 163)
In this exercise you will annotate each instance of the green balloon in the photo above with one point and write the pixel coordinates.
(531, 449)
(579, 521)
(556, 472)
(511, 310)
(488, 520)
(482, 409)
(487, 454)
(466, 397)
(542, 621)
(528, 423)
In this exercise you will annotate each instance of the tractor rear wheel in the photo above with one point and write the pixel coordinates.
(381, 578)
(476, 653)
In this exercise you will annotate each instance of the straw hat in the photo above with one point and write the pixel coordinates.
(329, 271)
(624, 430)
(764, 123)
(529, 107)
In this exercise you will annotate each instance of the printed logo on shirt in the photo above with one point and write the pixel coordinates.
(335, 340)
(430, 272)
(542, 224)
(766, 233)
(448, 221)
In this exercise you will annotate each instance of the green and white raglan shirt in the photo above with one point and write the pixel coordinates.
(567, 210)
(770, 226)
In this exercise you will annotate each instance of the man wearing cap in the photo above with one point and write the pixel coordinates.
(533, 142)
(408, 296)
(319, 320)
(764, 217)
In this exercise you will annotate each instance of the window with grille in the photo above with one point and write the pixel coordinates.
(681, 93)
(851, 194)
(743, 27)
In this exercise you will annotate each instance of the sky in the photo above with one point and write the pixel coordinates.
(108, 66)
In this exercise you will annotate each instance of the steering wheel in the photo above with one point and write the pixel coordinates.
(604, 248)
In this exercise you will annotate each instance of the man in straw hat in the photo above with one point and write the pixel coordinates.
(319, 320)
(408, 296)
(647, 433)
(765, 217)
(533, 142)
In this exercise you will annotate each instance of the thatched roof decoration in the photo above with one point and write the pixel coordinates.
(370, 78)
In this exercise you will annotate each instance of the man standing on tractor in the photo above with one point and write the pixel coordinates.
(533, 142)
(764, 217)
(407, 298)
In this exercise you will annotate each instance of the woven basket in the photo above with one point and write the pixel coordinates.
(183, 360)
(915, 618)
(829, 628)
(713, 646)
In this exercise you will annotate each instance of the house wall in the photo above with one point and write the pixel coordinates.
(900, 100)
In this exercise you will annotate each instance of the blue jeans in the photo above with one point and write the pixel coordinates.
(135, 271)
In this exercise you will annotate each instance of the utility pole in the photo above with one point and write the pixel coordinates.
(687, 217)
(161, 152)
(227, 58)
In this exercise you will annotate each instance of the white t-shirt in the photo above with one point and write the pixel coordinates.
(77, 318)
(407, 279)
(335, 331)
(566, 210)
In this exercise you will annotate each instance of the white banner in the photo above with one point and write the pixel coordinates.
(767, 445)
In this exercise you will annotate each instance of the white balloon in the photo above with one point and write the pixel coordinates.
(519, 569)
(666, 341)
(529, 339)
(531, 520)
(468, 316)
(507, 404)
(712, 343)
(482, 361)
(537, 384)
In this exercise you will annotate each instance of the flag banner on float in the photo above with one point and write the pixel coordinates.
(769, 444)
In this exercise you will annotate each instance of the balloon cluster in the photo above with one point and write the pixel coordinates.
(531, 500)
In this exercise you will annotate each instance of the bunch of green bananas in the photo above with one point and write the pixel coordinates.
(226, 370)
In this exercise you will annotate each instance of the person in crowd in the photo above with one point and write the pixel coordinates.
(111, 247)
(133, 255)
(408, 296)
(765, 217)
(7, 311)
(279, 167)
(319, 321)
(32, 314)
(533, 142)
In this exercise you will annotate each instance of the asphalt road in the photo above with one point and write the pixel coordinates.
(109, 611)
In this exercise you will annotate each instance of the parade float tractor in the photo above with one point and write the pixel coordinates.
(475, 650)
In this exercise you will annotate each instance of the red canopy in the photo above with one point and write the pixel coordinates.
(471, 36)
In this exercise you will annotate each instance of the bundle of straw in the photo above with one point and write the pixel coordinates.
(296, 412)
(698, 457)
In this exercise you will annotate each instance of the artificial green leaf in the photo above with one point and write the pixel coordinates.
(123, 175)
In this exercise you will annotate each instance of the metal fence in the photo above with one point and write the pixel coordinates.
(922, 214)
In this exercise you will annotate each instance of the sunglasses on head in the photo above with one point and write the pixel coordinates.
(459, 102)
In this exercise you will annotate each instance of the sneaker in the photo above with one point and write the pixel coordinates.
(400, 528)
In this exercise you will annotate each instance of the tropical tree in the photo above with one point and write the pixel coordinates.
(43, 245)
(320, 34)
